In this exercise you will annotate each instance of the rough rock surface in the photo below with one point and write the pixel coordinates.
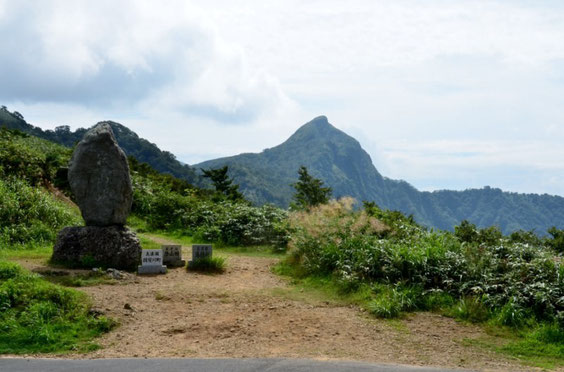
(92, 246)
(99, 178)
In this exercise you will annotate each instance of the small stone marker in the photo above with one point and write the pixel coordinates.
(200, 251)
(172, 255)
(151, 262)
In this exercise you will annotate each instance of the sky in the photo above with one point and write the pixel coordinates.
(444, 94)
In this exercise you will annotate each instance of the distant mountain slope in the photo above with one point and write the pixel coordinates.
(141, 149)
(340, 161)
(328, 154)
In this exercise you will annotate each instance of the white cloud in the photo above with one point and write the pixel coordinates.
(417, 82)
(128, 53)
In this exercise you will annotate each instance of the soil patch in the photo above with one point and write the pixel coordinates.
(244, 313)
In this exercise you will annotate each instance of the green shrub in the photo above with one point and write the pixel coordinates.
(225, 221)
(491, 276)
(525, 237)
(466, 232)
(557, 241)
(9, 270)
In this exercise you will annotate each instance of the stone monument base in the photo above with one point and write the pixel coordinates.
(151, 269)
(93, 246)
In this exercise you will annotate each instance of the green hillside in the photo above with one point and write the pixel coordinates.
(340, 161)
(328, 154)
(143, 150)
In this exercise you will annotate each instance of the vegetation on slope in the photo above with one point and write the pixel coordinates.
(341, 163)
(28, 213)
(338, 160)
(167, 204)
(129, 141)
(393, 265)
(37, 316)
(382, 258)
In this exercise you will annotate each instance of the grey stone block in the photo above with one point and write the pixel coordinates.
(93, 246)
(151, 269)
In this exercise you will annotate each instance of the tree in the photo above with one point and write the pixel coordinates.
(309, 191)
(557, 241)
(222, 183)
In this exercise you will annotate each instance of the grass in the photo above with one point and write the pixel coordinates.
(37, 316)
(27, 251)
(147, 243)
(313, 289)
(80, 279)
(208, 265)
(541, 346)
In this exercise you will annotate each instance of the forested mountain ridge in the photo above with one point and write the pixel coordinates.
(141, 149)
(340, 161)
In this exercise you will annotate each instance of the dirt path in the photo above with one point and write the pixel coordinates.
(247, 312)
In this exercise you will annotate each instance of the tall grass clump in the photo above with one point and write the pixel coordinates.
(208, 265)
(39, 317)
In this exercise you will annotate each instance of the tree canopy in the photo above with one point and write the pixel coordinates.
(222, 183)
(309, 191)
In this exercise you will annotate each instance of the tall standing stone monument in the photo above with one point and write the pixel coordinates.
(99, 179)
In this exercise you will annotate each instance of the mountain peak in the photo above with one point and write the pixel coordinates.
(320, 130)
(322, 119)
(319, 123)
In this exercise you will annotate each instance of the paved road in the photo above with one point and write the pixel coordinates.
(193, 365)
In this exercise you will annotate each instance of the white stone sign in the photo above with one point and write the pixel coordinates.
(172, 255)
(151, 262)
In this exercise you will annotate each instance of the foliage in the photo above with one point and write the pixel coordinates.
(198, 214)
(211, 265)
(31, 215)
(557, 241)
(492, 276)
(525, 237)
(309, 191)
(223, 184)
(468, 233)
(339, 160)
(30, 158)
(544, 346)
(37, 316)
(391, 301)
(141, 149)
